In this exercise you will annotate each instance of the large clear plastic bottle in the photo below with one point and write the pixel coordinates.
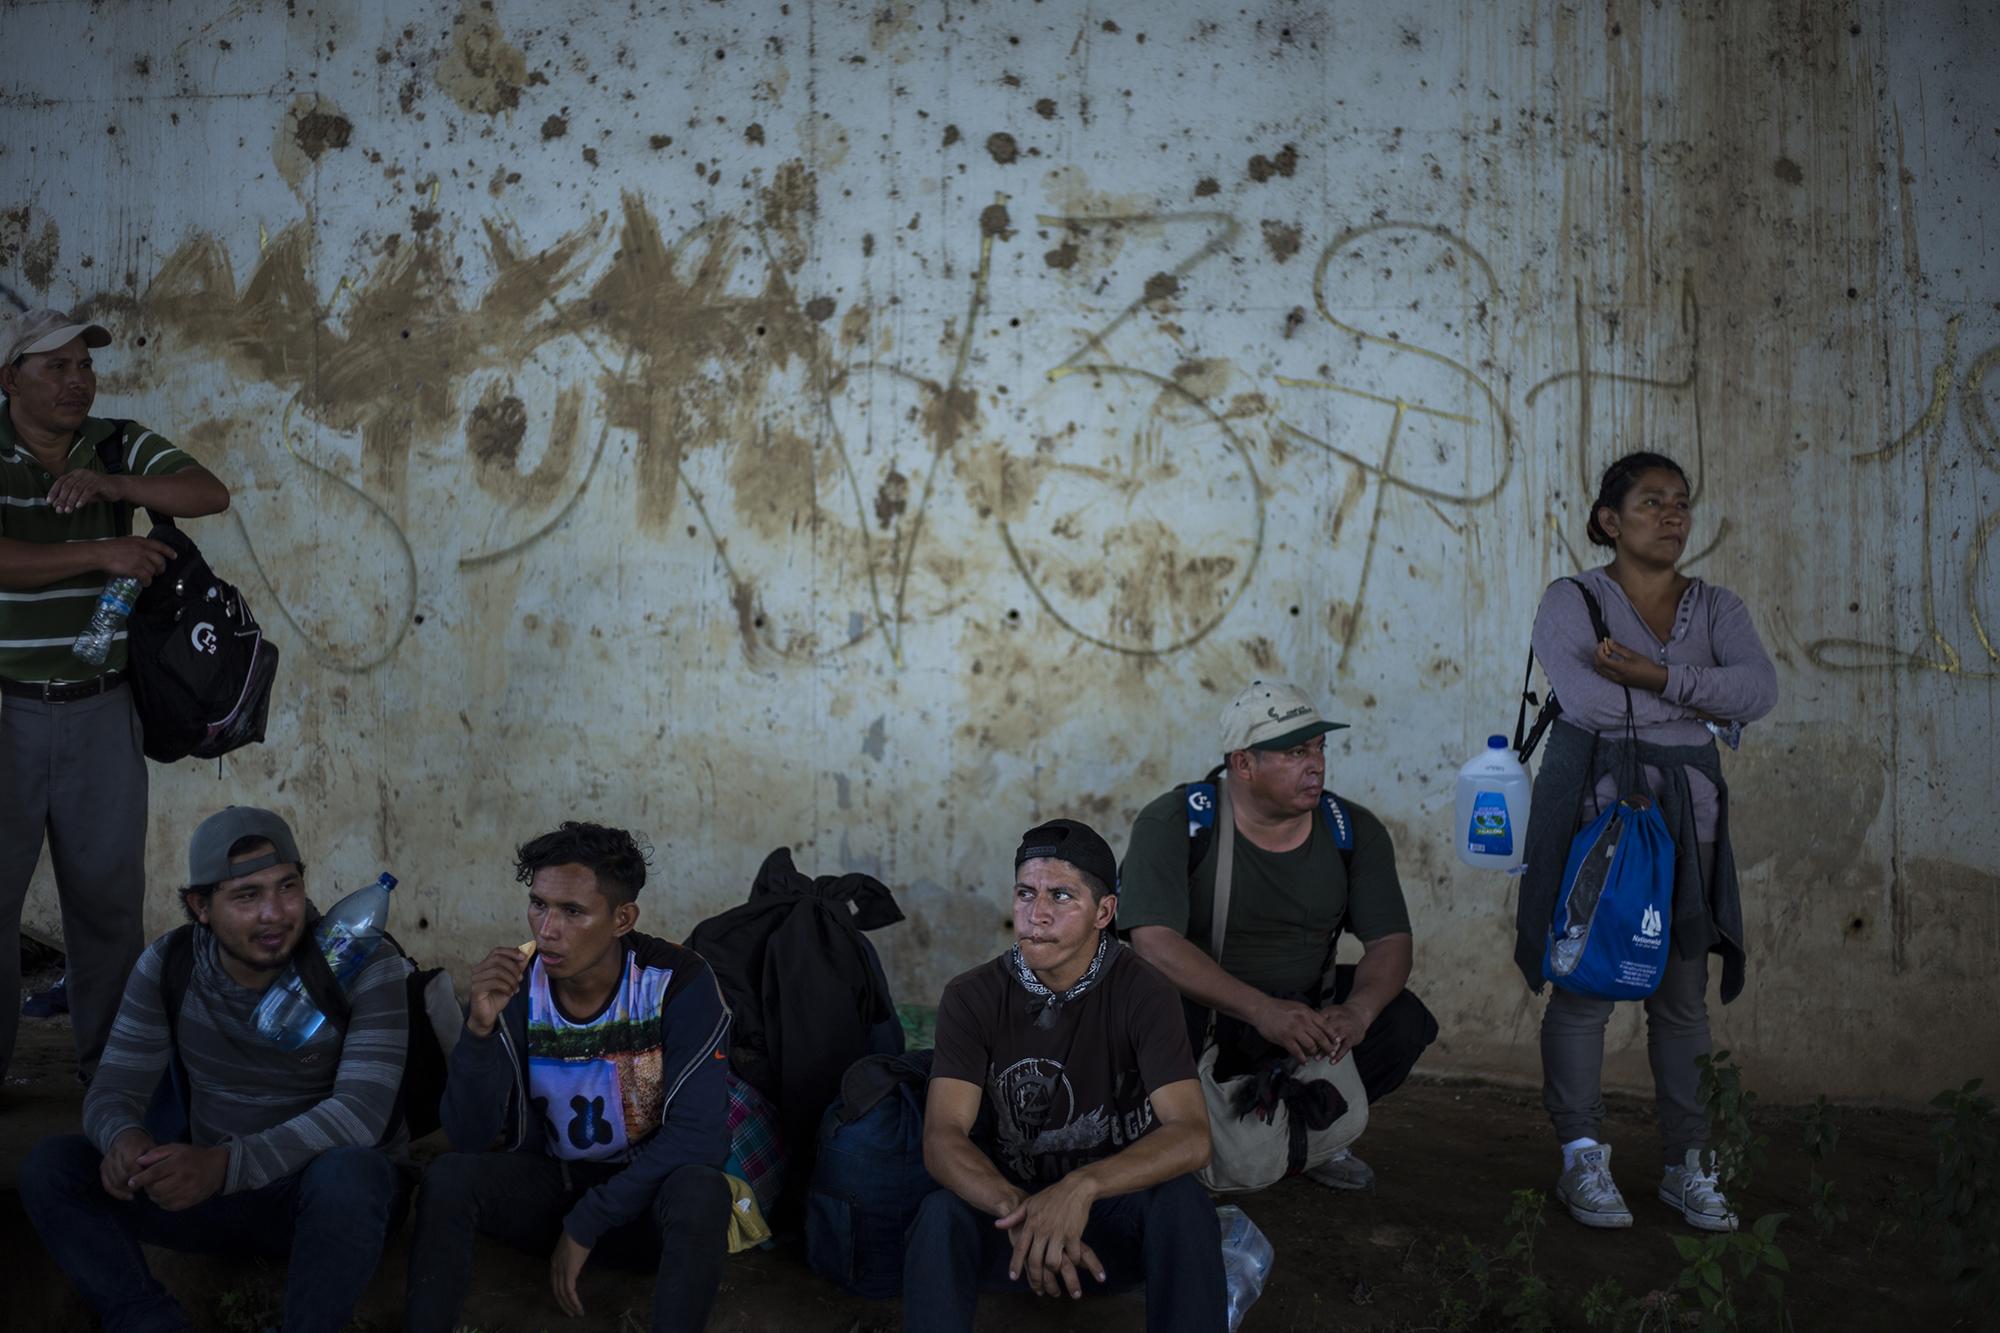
(1246, 1261)
(1491, 830)
(114, 606)
(346, 935)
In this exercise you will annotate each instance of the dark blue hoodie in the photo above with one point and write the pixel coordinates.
(486, 1100)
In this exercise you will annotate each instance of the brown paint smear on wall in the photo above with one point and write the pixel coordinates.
(483, 72)
(495, 431)
(311, 127)
(404, 341)
(702, 353)
(775, 477)
(700, 341)
(38, 251)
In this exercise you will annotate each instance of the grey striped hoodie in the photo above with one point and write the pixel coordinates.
(275, 1110)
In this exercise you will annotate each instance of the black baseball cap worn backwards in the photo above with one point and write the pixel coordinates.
(1073, 841)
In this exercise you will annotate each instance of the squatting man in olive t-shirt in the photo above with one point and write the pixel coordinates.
(1078, 1052)
(1274, 992)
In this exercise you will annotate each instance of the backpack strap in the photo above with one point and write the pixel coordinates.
(1225, 871)
(1203, 800)
(176, 972)
(111, 451)
(322, 988)
(1525, 741)
(1597, 624)
(1335, 815)
(1210, 816)
(1527, 738)
(170, 1113)
(1200, 810)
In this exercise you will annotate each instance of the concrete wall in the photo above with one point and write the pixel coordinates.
(873, 427)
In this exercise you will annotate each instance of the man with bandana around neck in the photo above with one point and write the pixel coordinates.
(1078, 1050)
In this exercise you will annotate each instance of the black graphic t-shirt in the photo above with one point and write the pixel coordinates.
(1065, 1095)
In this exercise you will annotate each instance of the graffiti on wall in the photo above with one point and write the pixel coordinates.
(704, 343)
(1931, 432)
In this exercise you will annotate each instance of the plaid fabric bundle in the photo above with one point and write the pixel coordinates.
(756, 1152)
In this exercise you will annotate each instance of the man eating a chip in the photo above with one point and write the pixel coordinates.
(585, 1100)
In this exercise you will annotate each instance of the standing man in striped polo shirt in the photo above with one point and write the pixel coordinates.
(70, 760)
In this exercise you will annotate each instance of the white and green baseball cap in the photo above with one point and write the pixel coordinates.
(1272, 715)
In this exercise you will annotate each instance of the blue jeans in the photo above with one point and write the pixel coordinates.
(1166, 1237)
(328, 1220)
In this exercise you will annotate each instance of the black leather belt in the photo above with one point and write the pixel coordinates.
(61, 691)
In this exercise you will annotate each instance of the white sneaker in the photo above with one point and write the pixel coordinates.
(1343, 1171)
(1694, 1189)
(1589, 1192)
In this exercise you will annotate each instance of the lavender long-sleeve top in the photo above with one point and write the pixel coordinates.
(1716, 665)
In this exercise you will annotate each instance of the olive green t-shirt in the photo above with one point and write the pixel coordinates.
(1284, 907)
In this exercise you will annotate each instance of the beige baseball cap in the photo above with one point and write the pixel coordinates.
(35, 331)
(1272, 715)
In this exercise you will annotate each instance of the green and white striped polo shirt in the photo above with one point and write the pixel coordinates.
(37, 626)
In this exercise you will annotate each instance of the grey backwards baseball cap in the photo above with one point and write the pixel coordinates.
(208, 854)
(35, 331)
(1272, 715)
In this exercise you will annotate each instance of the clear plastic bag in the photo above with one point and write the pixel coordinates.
(1246, 1261)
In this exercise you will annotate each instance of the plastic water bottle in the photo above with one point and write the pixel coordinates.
(114, 605)
(1492, 820)
(346, 936)
(1246, 1261)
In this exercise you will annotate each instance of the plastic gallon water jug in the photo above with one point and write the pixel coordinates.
(1492, 809)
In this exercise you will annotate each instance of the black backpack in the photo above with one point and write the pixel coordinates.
(434, 1023)
(805, 989)
(201, 669)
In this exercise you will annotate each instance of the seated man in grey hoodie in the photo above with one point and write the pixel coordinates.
(284, 1154)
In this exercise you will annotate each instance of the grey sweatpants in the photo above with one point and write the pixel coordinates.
(76, 772)
(1676, 1033)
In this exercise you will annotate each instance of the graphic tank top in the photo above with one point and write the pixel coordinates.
(597, 1083)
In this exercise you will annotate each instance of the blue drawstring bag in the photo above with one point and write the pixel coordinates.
(1608, 937)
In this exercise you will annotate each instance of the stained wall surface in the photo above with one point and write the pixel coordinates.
(873, 427)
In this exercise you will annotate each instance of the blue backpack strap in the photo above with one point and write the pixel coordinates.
(1200, 807)
(1200, 821)
(1337, 822)
(1201, 824)
(1341, 825)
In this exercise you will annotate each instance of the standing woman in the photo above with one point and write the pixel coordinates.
(1690, 657)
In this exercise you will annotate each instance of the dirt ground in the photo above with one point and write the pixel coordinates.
(1449, 1155)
